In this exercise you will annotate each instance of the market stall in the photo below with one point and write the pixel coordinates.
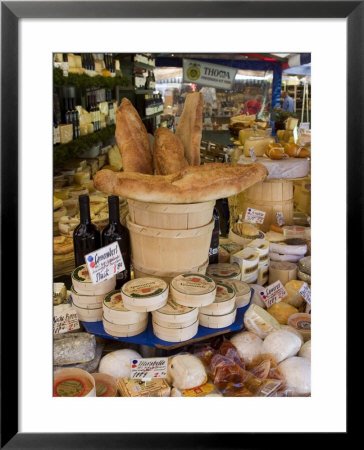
(150, 299)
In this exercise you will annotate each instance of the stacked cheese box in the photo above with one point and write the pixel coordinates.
(87, 297)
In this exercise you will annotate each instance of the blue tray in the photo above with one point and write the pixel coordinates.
(148, 337)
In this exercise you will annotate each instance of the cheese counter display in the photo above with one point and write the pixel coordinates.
(142, 306)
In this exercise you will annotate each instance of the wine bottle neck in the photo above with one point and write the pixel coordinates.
(114, 213)
(84, 209)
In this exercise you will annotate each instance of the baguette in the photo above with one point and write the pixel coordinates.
(168, 154)
(190, 185)
(296, 151)
(132, 139)
(189, 127)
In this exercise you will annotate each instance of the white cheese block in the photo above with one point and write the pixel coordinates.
(224, 271)
(224, 301)
(248, 260)
(281, 344)
(242, 292)
(258, 143)
(263, 274)
(124, 330)
(186, 371)
(118, 363)
(305, 350)
(172, 312)
(145, 294)
(87, 314)
(222, 321)
(193, 289)
(283, 271)
(116, 312)
(297, 374)
(262, 247)
(175, 334)
(87, 301)
(248, 344)
(285, 249)
(258, 321)
(82, 283)
(281, 168)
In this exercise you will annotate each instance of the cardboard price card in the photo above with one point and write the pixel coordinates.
(273, 293)
(254, 215)
(305, 291)
(104, 263)
(148, 368)
(65, 321)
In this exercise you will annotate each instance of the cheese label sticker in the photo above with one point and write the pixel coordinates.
(305, 291)
(148, 368)
(144, 287)
(104, 263)
(280, 218)
(252, 154)
(65, 321)
(254, 215)
(273, 293)
(114, 301)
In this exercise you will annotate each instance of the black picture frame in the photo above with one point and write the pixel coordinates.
(11, 12)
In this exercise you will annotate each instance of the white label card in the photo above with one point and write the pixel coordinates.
(273, 293)
(254, 215)
(104, 263)
(295, 135)
(280, 218)
(305, 291)
(65, 321)
(252, 154)
(148, 368)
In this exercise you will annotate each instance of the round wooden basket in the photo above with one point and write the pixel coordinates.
(169, 250)
(170, 216)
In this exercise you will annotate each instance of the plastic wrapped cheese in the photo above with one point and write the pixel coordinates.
(248, 344)
(186, 371)
(305, 350)
(258, 321)
(117, 364)
(281, 311)
(294, 298)
(281, 344)
(297, 374)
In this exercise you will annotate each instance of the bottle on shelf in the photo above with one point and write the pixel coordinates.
(65, 65)
(147, 81)
(56, 132)
(75, 120)
(116, 232)
(152, 80)
(86, 236)
(67, 112)
(214, 245)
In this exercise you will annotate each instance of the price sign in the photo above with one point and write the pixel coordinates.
(252, 154)
(254, 215)
(273, 293)
(305, 291)
(65, 320)
(104, 263)
(280, 218)
(148, 368)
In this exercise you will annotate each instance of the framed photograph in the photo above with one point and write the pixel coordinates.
(31, 32)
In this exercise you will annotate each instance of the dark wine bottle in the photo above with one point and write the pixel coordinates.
(214, 246)
(113, 232)
(86, 236)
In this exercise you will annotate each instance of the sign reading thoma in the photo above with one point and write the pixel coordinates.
(208, 74)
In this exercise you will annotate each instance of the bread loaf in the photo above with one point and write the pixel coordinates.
(295, 150)
(189, 128)
(132, 139)
(190, 185)
(168, 154)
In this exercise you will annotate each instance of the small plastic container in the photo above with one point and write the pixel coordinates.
(294, 231)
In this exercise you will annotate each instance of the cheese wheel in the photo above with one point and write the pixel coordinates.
(288, 258)
(282, 311)
(115, 311)
(305, 350)
(87, 301)
(83, 284)
(186, 371)
(105, 385)
(224, 301)
(174, 324)
(258, 321)
(193, 289)
(88, 314)
(248, 344)
(262, 247)
(282, 271)
(242, 292)
(223, 271)
(118, 363)
(175, 334)
(281, 344)
(248, 260)
(284, 249)
(73, 382)
(126, 329)
(294, 298)
(172, 312)
(297, 374)
(145, 294)
(210, 321)
(302, 323)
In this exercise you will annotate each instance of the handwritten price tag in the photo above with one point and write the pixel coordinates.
(305, 291)
(65, 320)
(280, 218)
(104, 263)
(273, 293)
(252, 154)
(254, 215)
(148, 368)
